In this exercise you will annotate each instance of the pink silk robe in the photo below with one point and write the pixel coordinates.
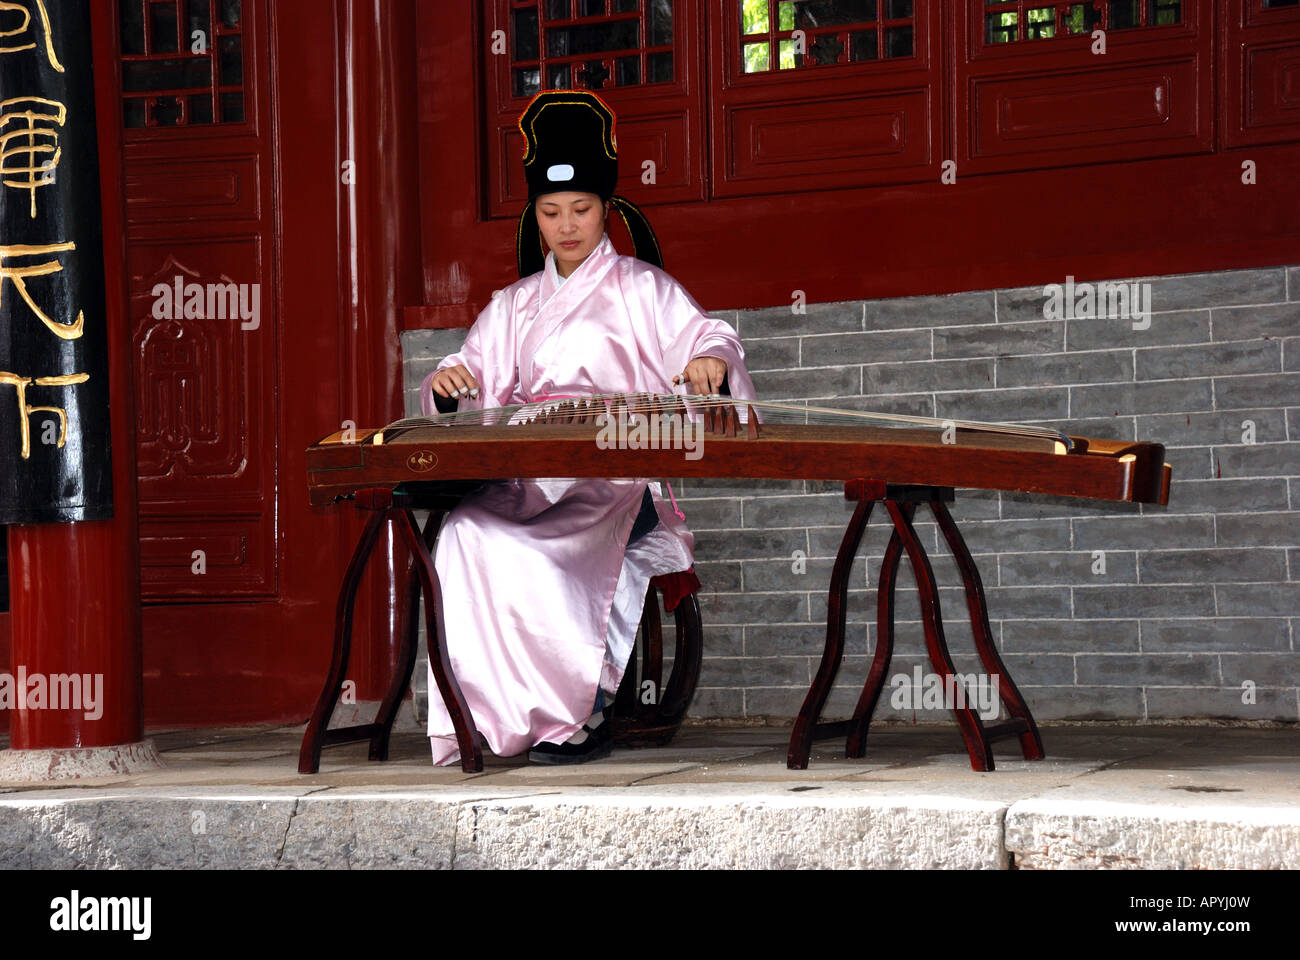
(542, 596)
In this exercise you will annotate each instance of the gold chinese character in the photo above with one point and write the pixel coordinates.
(30, 126)
(19, 275)
(15, 45)
(25, 412)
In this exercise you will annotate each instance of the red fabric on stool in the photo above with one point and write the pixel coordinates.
(674, 586)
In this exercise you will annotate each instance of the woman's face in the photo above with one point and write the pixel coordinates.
(571, 224)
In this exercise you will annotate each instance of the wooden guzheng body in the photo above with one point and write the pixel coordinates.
(900, 462)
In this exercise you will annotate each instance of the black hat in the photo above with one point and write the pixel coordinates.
(570, 146)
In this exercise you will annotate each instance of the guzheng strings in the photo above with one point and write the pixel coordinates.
(696, 408)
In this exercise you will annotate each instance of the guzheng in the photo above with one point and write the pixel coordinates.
(734, 439)
(900, 462)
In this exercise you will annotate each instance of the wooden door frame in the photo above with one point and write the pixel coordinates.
(328, 68)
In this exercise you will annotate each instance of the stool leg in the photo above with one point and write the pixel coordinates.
(801, 737)
(313, 739)
(972, 730)
(857, 742)
(688, 658)
(644, 725)
(652, 655)
(1031, 745)
(471, 756)
(626, 699)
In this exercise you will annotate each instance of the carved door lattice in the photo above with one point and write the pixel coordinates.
(1010, 22)
(182, 62)
(589, 44)
(813, 33)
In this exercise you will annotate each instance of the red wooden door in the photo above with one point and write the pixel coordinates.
(252, 340)
(199, 177)
(199, 218)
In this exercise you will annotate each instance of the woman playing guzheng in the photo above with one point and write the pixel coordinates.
(543, 581)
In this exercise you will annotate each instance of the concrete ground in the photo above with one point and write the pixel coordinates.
(720, 796)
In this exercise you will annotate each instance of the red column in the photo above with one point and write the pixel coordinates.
(75, 587)
(380, 271)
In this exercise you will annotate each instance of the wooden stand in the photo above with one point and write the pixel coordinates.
(386, 505)
(637, 724)
(901, 503)
(634, 724)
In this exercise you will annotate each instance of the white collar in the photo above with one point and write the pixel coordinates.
(555, 273)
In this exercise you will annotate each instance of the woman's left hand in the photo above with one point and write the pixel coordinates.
(704, 374)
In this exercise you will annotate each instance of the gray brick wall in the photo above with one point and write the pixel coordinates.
(1196, 598)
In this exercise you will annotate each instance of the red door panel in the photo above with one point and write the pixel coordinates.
(205, 411)
(1133, 107)
(829, 137)
(175, 189)
(1034, 89)
(815, 97)
(1261, 77)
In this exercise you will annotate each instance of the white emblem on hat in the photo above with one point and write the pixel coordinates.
(560, 173)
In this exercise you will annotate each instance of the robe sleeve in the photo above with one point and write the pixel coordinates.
(686, 332)
(489, 354)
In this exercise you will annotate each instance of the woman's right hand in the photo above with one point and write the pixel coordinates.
(454, 382)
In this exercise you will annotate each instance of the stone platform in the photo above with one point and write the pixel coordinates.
(1107, 796)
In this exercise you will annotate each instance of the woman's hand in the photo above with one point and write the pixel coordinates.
(454, 382)
(704, 374)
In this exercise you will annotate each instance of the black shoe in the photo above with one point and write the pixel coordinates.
(599, 743)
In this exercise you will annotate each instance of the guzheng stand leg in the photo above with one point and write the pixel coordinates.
(384, 506)
(972, 730)
(471, 756)
(857, 743)
(806, 727)
(317, 734)
(401, 681)
(1022, 721)
(901, 503)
